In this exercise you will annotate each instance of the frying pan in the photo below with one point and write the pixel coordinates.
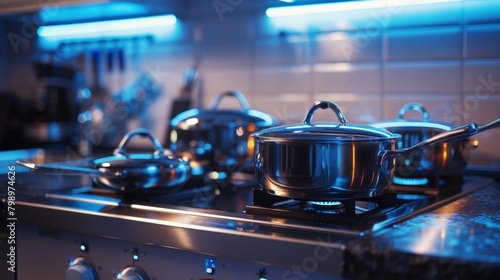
(139, 173)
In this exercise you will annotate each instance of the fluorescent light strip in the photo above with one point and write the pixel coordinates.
(105, 26)
(345, 6)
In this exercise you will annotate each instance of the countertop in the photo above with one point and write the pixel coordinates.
(458, 241)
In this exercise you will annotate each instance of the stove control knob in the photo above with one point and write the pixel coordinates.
(81, 269)
(133, 273)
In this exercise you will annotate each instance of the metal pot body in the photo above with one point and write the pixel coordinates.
(221, 145)
(445, 159)
(322, 170)
(218, 139)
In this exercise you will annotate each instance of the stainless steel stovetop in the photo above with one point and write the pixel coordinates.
(202, 232)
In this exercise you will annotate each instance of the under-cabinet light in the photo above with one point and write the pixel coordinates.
(345, 6)
(103, 27)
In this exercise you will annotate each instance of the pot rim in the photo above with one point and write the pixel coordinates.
(325, 131)
(410, 125)
(401, 124)
(334, 136)
(198, 118)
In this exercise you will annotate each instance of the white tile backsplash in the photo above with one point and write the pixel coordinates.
(482, 76)
(284, 79)
(347, 77)
(217, 82)
(215, 57)
(483, 41)
(343, 46)
(422, 76)
(284, 50)
(434, 43)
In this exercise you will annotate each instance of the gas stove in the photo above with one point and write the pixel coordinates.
(205, 231)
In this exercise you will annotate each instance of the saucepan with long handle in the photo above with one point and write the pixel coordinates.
(331, 161)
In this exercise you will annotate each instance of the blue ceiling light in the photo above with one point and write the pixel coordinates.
(342, 7)
(103, 28)
(87, 12)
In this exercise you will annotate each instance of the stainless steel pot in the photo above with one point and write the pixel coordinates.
(218, 139)
(328, 161)
(446, 160)
(129, 173)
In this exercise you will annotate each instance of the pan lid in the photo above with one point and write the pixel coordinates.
(325, 131)
(425, 125)
(197, 119)
(148, 163)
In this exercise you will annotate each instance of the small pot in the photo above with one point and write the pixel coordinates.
(218, 139)
(129, 173)
(331, 161)
(446, 160)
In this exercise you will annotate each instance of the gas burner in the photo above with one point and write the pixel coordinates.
(327, 207)
(326, 204)
(427, 186)
(433, 181)
(410, 181)
(347, 211)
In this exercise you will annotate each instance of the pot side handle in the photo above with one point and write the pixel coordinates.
(386, 158)
(120, 150)
(413, 107)
(234, 93)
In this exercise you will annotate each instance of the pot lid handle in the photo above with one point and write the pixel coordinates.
(413, 107)
(120, 150)
(324, 105)
(234, 93)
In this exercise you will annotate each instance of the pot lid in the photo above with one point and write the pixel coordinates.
(148, 163)
(195, 119)
(151, 162)
(400, 124)
(323, 131)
